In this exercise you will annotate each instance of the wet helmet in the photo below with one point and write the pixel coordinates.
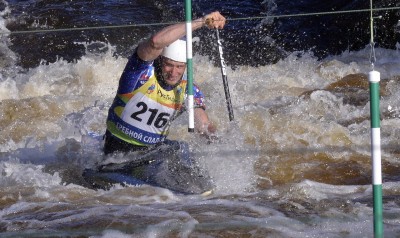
(176, 51)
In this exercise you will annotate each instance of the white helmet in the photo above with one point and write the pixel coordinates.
(176, 51)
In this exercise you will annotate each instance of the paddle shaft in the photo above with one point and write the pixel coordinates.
(224, 77)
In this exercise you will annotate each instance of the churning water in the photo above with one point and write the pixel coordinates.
(295, 162)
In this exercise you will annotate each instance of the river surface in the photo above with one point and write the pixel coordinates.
(295, 162)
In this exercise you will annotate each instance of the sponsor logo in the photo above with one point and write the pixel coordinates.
(167, 97)
(150, 90)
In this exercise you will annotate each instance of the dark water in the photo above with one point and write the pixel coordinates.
(248, 42)
(296, 161)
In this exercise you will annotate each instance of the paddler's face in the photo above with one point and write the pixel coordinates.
(172, 71)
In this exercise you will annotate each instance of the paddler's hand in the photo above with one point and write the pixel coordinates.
(210, 134)
(214, 20)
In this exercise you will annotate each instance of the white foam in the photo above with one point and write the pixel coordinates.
(14, 173)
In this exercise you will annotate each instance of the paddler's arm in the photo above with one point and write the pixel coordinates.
(150, 49)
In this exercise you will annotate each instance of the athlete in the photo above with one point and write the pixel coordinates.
(152, 91)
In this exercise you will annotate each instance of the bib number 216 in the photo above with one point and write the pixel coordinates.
(159, 119)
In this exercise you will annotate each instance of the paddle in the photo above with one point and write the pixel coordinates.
(224, 77)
